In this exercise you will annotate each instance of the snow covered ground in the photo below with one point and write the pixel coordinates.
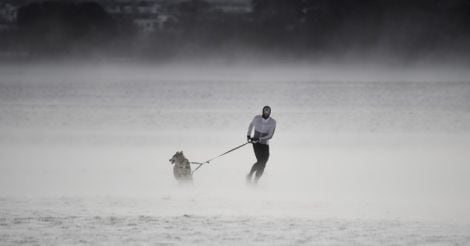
(109, 221)
(360, 156)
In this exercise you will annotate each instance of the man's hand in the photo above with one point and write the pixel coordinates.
(248, 139)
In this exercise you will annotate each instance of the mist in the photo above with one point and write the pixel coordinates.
(343, 137)
(371, 101)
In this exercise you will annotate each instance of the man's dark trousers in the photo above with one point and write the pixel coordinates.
(262, 156)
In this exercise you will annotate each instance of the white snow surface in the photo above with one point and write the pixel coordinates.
(360, 156)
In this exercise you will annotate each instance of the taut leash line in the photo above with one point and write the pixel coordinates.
(208, 161)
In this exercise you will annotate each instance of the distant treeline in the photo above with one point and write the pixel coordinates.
(55, 28)
(297, 28)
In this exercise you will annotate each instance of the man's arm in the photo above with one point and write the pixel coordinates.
(250, 127)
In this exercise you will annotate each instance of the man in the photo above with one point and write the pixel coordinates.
(264, 127)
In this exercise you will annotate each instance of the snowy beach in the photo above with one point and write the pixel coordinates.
(108, 221)
(360, 157)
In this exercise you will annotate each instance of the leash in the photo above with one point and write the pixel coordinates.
(208, 161)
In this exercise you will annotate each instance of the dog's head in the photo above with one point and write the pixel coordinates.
(177, 157)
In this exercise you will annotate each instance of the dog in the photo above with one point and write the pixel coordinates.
(182, 168)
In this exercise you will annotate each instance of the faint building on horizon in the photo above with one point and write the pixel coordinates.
(234, 7)
(149, 16)
(128, 7)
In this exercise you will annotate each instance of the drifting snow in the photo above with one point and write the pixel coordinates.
(355, 159)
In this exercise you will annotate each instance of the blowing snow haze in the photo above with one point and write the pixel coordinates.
(160, 30)
(371, 100)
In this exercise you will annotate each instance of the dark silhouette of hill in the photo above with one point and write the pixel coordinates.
(55, 27)
(303, 29)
